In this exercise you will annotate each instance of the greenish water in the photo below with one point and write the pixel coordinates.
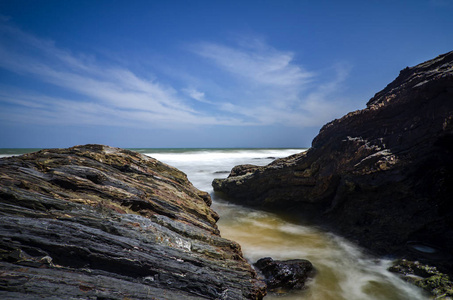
(345, 272)
(16, 151)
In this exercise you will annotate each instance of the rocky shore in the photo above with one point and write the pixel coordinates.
(96, 222)
(381, 176)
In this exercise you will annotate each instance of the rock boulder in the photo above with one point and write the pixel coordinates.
(93, 222)
(284, 276)
(382, 176)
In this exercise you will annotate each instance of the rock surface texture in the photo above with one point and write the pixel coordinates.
(95, 222)
(285, 275)
(382, 176)
(425, 277)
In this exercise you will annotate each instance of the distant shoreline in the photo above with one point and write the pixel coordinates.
(19, 151)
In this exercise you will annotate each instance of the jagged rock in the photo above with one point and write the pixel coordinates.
(382, 176)
(284, 276)
(100, 222)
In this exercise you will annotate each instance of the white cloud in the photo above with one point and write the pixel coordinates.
(112, 91)
(197, 95)
(258, 63)
(265, 87)
(276, 90)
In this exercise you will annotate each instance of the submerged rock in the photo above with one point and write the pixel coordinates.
(100, 222)
(382, 176)
(284, 276)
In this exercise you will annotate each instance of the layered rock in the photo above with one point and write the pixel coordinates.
(99, 222)
(382, 176)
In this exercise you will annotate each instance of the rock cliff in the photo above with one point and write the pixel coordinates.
(93, 222)
(382, 176)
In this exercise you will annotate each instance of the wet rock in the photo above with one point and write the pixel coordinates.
(426, 277)
(222, 172)
(284, 276)
(100, 222)
(381, 176)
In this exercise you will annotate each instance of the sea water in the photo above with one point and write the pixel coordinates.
(5, 152)
(344, 271)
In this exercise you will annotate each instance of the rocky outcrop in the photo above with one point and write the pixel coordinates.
(382, 176)
(425, 277)
(282, 276)
(94, 222)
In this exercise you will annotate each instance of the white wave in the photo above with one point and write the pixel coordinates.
(344, 271)
(201, 165)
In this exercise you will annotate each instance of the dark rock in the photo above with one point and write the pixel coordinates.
(222, 172)
(382, 176)
(99, 222)
(242, 170)
(284, 276)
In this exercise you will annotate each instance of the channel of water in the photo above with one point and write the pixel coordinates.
(344, 272)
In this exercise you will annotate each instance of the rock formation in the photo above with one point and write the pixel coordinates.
(94, 222)
(381, 176)
(425, 277)
(285, 275)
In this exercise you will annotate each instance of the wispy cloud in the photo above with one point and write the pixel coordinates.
(257, 63)
(113, 92)
(265, 86)
(196, 94)
(274, 89)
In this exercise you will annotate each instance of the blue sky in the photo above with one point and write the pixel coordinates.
(201, 73)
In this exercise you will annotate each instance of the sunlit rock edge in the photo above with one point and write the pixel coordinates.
(100, 222)
(381, 176)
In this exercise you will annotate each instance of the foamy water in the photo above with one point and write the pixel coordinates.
(202, 166)
(344, 271)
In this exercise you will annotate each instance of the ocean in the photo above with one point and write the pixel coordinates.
(344, 271)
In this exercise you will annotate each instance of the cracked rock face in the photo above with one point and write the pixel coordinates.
(382, 176)
(94, 221)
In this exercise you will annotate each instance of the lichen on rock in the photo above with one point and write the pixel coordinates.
(426, 277)
(97, 221)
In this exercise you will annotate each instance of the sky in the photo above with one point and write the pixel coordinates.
(188, 74)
